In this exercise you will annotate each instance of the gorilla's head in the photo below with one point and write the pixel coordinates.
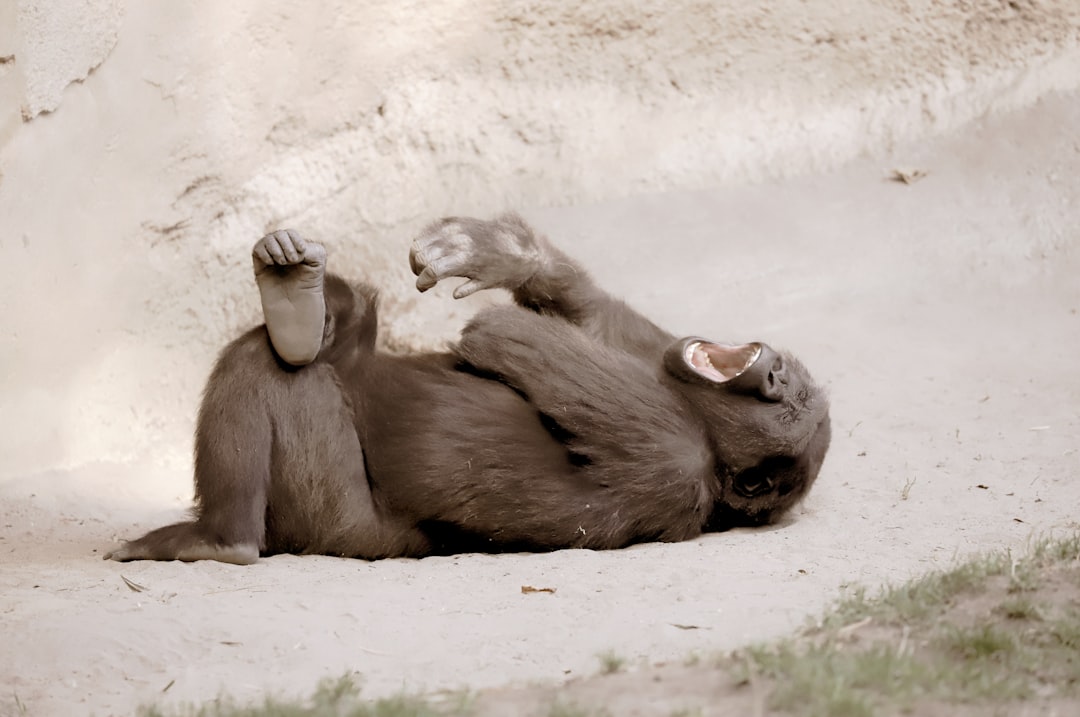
(768, 424)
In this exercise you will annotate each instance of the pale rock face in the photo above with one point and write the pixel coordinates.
(57, 42)
(145, 145)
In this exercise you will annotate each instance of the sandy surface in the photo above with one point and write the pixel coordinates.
(942, 315)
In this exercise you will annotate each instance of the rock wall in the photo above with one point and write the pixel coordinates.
(145, 145)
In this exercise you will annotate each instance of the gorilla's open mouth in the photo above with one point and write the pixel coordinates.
(718, 362)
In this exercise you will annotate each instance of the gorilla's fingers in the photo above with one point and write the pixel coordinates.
(271, 243)
(430, 249)
(288, 251)
(260, 256)
(314, 255)
(416, 263)
(297, 241)
(426, 279)
(440, 268)
(469, 288)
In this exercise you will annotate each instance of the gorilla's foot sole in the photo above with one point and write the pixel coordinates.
(183, 542)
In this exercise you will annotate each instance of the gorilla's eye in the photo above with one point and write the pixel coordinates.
(752, 483)
(765, 477)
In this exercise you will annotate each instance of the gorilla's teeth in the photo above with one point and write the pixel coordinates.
(689, 352)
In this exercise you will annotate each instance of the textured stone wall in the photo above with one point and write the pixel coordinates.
(145, 145)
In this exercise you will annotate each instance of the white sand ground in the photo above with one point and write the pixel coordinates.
(942, 315)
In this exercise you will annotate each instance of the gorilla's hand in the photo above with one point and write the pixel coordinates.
(290, 271)
(501, 253)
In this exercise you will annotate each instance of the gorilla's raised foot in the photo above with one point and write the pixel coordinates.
(290, 273)
(184, 542)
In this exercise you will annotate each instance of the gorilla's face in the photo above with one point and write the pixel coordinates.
(768, 423)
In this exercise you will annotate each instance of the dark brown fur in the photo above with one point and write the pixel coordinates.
(552, 424)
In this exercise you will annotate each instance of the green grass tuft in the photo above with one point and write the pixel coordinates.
(561, 709)
(332, 698)
(923, 596)
(1018, 608)
(927, 640)
(977, 643)
(610, 663)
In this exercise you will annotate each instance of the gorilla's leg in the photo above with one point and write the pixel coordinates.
(232, 466)
(278, 466)
(508, 254)
(278, 461)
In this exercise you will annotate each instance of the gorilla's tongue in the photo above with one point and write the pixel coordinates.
(721, 363)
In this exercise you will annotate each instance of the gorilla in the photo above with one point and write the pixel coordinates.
(565, 420)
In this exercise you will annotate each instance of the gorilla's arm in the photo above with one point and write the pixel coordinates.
(618, 420)
(507, 253)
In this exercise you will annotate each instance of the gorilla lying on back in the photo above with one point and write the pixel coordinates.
(566, 421)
